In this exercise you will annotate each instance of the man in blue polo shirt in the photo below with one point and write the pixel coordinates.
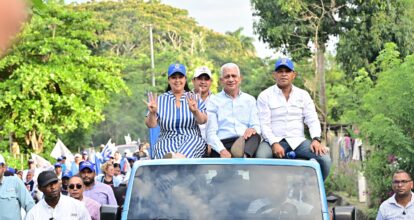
(13, 195)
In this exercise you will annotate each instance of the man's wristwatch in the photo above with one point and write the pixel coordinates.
(318, 139)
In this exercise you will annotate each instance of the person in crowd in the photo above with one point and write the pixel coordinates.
(117, 157)
(283, 110)
(65, 182)
(13, 195)
(19, 174)
(85, 155)
(58, 170)
(233, 124)
(401, 204)
(13, 14)
(62, 161)
(74, 168)
(54, 205)
(32, 166)
(76, 189)
(202, 82)
(30, 183)
(95, 190)
(178, 113)
(117, 173)
(108, 177)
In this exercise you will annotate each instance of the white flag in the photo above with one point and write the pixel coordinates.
(61, 150)
(40, 162)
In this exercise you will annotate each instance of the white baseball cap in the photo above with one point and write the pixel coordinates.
(2, 161)
(202, 70)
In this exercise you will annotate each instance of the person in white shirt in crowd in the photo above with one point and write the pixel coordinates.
(233, 124)
(32, 166)
(283, 111)
(54, 205)
(76, 189)
(202, 82)
(85, 155)
(401, 204)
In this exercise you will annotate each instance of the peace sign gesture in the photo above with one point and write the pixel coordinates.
(152, 104)
(192, 100)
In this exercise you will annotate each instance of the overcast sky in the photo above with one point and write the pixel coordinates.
(221, 16)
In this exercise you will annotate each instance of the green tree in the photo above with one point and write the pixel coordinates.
(367, 26)
(51, 83)
(291, 26)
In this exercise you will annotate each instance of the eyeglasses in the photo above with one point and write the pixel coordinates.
(403, 182)
(72, 186)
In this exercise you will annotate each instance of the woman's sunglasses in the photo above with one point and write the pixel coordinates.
(72, 186)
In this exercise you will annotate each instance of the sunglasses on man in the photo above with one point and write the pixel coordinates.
(72, 186)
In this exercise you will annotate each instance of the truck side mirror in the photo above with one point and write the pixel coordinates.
(344, 213)
(110, 212)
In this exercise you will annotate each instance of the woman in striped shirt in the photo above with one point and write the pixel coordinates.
(177, 112)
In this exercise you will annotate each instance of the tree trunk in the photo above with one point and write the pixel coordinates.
(320, 71)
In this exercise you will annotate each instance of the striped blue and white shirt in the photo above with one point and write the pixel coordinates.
(179, 132)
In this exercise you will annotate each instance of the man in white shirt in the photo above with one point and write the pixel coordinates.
(283, 110)
(202, 83)
(401, 204)
(233, 124)
(54, 205)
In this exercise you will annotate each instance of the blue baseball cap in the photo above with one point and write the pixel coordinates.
(176, 68)
(58, 165)
(59, 159)
(67, 174)
(86, 164)
(284, 62)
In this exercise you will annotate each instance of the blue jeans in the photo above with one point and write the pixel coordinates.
(303, 151)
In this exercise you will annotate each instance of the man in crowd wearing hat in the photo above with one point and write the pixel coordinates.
(13, 195)
(233, 124)
(283, 111)
(58, 170)
(62, 161)
(85, 155)
(65, 182)
(202, 83)
(76, 189)
(95, 190)
(54, 205)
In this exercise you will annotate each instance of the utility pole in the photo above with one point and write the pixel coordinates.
(152, 56)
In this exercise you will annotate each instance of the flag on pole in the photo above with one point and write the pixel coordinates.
(61, 150)
(107, 150)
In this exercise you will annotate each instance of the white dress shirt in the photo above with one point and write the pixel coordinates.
(67, 209)
(390, 210)
(230, 117)
(284, 119)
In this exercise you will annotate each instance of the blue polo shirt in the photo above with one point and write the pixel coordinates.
(13, 196)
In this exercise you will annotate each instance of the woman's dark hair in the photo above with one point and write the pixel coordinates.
(186, 88)
(117, 165)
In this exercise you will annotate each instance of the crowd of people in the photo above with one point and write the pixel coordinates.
(66, 190)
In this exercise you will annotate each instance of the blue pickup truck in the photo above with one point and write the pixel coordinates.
(225, 189)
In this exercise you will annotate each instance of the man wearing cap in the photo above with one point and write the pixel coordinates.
(58, 170)
(283, 111)
(202, 83)
(65, 182)
(233, 124)
(62, 161)
(178, 112)
(54, 205)
(76, 189)
(95, 190)
(13, 195)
